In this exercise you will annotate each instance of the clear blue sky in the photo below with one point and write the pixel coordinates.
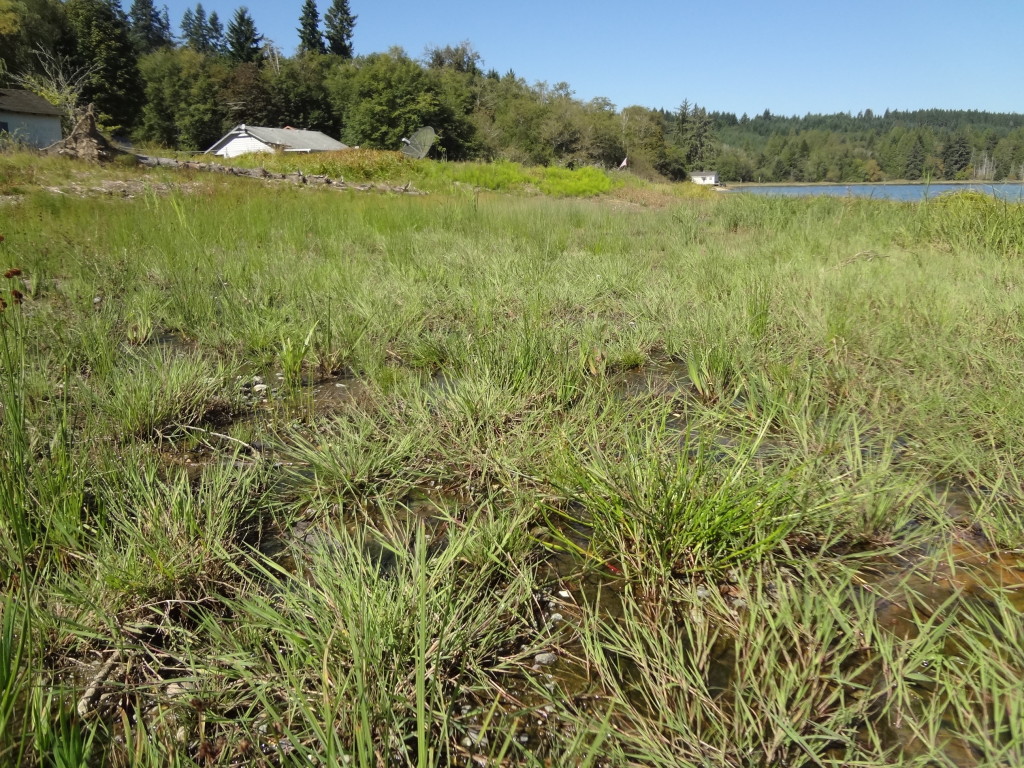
(790, 56)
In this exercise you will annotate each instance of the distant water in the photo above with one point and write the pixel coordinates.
(1012, 191)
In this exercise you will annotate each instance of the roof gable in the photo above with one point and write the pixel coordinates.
(26, 103)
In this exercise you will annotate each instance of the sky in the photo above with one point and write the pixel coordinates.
(792, 57)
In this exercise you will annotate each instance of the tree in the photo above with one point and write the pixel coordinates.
(461, 58)
(200, 32)
(184, 105)
(382, 98)
(9, 18)
(310, 38)
(244, 43)
(215, 34)
(29, 26)
(956, 156)
(103, 44)
(150, 28)
(338, 26)
(58, 81)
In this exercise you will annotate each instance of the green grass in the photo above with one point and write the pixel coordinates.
(291, 475)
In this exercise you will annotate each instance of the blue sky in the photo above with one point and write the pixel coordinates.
(790, 56)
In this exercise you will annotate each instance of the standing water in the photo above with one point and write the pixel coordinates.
(1010, 191)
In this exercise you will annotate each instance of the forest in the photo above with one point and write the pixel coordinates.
(181, 84)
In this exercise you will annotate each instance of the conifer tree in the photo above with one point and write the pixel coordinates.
(338, 26)
(215, 33)
(244, 43)
(103, 44)
(150, 28)
(310, 38)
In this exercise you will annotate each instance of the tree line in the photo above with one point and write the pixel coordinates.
(184, 86)
(931, 143)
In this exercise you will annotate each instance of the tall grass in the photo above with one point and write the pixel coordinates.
(649, 479)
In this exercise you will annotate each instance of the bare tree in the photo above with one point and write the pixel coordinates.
(58, 81)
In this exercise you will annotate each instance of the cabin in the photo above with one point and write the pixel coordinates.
(709, 178)
(29, 118)
(243, 139)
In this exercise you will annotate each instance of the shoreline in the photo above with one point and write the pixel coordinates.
(889, 183)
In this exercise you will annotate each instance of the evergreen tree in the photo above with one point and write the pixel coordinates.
(200, 32)
(244, 43)
(215, 34)
(188, 26)
(956, 156)
(310, 38)
(338, 26)
(149, 27)
(103, 43)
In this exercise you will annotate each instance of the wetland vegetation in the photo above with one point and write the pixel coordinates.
(294, 476)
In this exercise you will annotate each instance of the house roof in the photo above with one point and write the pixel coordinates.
(703, 173)
(288, 138)
(26, 103)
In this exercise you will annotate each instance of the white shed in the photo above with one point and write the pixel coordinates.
(243, 139)
(704, 177)
(29, 118)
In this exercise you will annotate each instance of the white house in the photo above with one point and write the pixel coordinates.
(243, 139)
(29, 118)
(704, 177)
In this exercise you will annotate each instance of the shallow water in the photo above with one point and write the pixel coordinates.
(1011, 191)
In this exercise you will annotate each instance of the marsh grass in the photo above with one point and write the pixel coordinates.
(742, 418)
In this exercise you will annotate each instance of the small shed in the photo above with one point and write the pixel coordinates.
(243, 139)
(29, 118)
(705, 177)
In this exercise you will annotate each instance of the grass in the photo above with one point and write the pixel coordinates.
(656, 478)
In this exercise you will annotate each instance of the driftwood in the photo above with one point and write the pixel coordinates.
(85, 142)
(262, 173)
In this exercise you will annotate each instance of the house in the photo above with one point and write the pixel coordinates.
(243, 139)
(29, 118)
(704, 177)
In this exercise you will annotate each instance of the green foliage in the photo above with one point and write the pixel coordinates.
(150, 28)
(202, 33)
(582, 182)
(184, 107)
(972, 221)
(347, 165)
(499, 176)
(663, 478)
(311, 39)
(103, 45)
(243, 43)
(339, 23)
(383, 98)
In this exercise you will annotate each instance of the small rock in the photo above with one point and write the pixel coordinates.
(556, 617)
(739, 603)
(702, 593)
(260, 388)
(564, 593)
(545, 659)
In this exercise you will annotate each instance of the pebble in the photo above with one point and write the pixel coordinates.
(260, 388)
(738, 603)
(564, 593)
(556, 617)
(545, 659)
